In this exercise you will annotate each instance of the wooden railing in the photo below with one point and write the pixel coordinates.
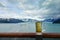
(31, 35)
(51, 35)
(17, 35)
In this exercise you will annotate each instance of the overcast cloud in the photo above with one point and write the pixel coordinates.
(34, 9)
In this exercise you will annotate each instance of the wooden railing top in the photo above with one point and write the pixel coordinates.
(32, 35)
(17, 35)
(51, 35)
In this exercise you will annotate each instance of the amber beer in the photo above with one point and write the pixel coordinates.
(39, 31)
(39, 27)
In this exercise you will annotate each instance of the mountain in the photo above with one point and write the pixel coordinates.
(29, 20)
(56, 20)
(14, 20)
(10, 20)
(48, 20)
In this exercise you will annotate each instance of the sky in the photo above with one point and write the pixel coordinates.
(31, 9)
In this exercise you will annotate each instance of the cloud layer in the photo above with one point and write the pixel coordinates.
(34, 9)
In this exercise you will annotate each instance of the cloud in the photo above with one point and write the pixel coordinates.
(35, 9)
(5, 13)
(3, 3)
(40, 12)
(46, 3)
(54, 8)
(28, 4)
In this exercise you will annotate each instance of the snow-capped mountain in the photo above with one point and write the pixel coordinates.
(56, 20)
(10, 20)
(14, 20)
(48, 20)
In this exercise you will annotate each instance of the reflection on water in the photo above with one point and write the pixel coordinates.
(49, 27)
(29, 27)
(18, 27)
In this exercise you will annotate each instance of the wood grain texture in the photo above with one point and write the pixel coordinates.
(51, 35)
(30, 35)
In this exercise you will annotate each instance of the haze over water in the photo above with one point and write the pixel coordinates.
(48, 27)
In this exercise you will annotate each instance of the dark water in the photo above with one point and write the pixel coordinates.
(28, 38)
(17, 38)
(51, 38)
